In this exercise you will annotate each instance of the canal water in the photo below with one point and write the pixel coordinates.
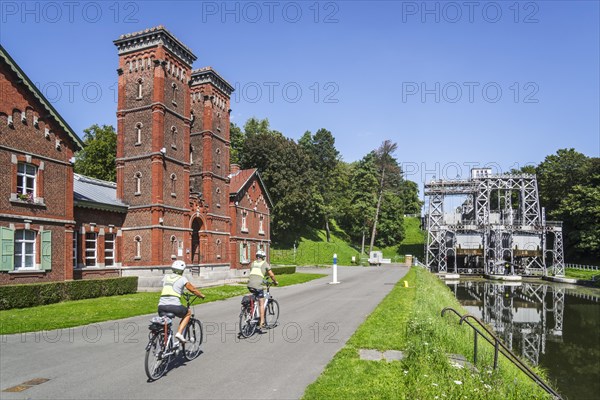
(551, 325)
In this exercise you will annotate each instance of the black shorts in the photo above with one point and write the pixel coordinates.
(260, 293)
(179, 311)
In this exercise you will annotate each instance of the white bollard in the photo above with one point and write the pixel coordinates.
(334, 280)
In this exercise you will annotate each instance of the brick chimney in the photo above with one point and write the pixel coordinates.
(235, 168)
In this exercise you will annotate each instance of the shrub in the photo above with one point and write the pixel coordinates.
(37, 294)
(284, 270)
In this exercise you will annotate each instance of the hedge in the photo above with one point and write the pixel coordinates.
(37, 294)
(284, 270)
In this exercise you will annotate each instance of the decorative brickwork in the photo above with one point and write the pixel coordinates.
(176, 196)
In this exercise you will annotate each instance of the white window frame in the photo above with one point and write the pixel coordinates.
(75, 242)
(261, 230)
(244, 253)
(27, 178)
(21, 242)
(109, 254)
(91, 253)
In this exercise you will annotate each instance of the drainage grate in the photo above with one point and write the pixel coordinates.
(26, 385)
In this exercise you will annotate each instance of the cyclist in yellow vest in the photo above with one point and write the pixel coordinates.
(259, 268)
(170, 297)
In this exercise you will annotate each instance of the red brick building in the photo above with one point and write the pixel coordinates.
(176, 195)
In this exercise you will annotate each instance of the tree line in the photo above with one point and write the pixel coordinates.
(313, 188)
(364, 201)
(309, 183)
(569, 189)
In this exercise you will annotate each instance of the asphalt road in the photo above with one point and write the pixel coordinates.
(106, 360)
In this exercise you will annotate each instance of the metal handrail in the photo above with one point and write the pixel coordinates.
(500, 347)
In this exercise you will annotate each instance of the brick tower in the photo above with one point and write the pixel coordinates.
(153, 146)
(209, 174)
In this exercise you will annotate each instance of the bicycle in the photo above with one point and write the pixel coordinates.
(162, 344)
(250, 314)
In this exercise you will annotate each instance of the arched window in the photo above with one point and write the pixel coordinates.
(173, 137)
(218, 158)
(173, 185)
(191, 154)
(138, 183)
(173, 247)
(138, 247)
(218, 248)
(261, 230)
(218, 197)
(174, 100)
(138, 133)
(140, 87)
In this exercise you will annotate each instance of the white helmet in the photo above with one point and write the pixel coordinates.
(178, 266)
(260, 253)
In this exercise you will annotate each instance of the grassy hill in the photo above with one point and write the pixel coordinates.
(313, 249)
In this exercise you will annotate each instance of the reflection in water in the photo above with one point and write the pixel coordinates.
(552, 326)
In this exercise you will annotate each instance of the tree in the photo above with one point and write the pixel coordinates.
(324, 158)
(385, 162)
(97, 159)
(581, 211)
(557, 174)
(284, 167)
(236, 137)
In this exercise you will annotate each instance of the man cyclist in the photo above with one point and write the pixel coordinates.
(170, 297)
(255, 284)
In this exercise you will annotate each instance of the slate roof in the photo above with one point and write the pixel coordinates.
(95, 193)
(240, 180)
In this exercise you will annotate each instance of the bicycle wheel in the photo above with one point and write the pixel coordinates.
(156, 365)
(247, 326)
(271, 313)
(194, 335)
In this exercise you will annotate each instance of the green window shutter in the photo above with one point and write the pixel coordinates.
(7, 249)
(46, 250)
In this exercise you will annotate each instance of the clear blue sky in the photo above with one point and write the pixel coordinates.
(453, 83)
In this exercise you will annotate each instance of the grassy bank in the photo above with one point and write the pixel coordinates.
(408, 319)
(586, 275)
(312, 247)
(83, 312)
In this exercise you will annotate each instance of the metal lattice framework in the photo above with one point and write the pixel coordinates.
(504, 211)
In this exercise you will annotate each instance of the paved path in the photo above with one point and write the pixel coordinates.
(105, 360)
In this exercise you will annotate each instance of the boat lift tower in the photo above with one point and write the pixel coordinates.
(498, 229)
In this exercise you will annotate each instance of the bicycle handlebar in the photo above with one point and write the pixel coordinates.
(189, 296)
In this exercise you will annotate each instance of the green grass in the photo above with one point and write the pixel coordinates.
(583, 275)
(408, 319)
(313, 249)
(82, 312)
